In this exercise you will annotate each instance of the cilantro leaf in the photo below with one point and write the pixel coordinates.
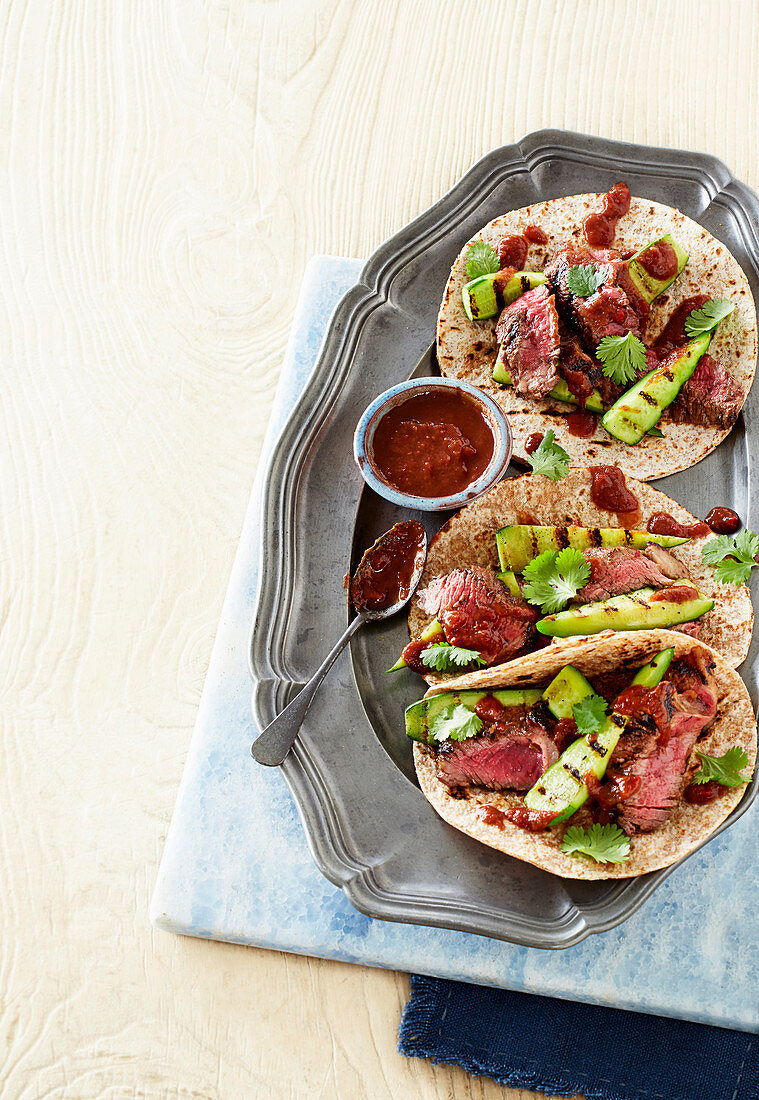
(603, 843)
(455, 722)
(726, 769)
(589, 713)
(583, 280)
(553, 578)
(733, 556)
(444, 657)
(549, 459)
(708, 317)
(481, 259)
(623, 357)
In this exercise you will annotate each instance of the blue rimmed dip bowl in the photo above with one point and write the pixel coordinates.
(363, 441)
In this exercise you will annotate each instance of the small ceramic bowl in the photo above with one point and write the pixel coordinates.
(367, 425)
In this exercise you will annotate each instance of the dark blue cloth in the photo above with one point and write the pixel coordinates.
(563, 1047)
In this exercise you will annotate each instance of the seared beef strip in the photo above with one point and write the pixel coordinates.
(619, 569)
(657, 742)
(478, 612)
(528, 331)
(710, 397)
(613, 310)
(512, 753)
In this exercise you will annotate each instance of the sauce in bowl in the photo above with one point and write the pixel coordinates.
(434, 444)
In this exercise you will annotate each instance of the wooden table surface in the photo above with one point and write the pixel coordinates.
(169, 167)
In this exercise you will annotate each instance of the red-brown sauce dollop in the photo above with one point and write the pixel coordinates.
(701, 793)
(608, 490)
(723, 521)
(678, 593)
(662, 523)
(535, 235)
(659, 260)
(599, 228)
(533, 442)
(580, 423)
(386, 570)
(512, 252)
(433, 444)
(673, 334)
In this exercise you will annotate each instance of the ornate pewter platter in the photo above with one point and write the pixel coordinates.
(369, 828)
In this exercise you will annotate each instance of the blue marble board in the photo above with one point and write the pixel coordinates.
(237, 867)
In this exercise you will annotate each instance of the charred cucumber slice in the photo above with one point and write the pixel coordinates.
(487, 295)
(566, 689)
(511, 582)
(519, 543)
(641, 407)
(641, 610)
(646, 284)
(420, 715)
(653, 673)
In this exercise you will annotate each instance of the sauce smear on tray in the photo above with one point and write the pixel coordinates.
(433, 445)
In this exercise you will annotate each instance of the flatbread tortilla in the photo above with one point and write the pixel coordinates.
(468, 539)
(467, 349)
(687, 827)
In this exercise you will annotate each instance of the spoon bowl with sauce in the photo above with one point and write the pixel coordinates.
(433, 444)
(384, 582)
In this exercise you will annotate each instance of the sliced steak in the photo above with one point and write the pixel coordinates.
(619, 569)
(710, 397)
(613, 310)
(651, 757)
(478, 612)
(528, 331)
(693, 630)
(514, 757)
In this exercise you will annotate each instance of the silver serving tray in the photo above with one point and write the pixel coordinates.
(369, 828)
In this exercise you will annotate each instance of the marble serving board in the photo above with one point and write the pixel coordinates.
(237, 867)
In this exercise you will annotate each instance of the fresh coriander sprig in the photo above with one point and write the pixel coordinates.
(444, 657)
(602, 843)
(733, 556)
(455, 722)
(623, 357)
(726, 769)
(584, 279)
(554, 577)
(481, 259)
(549, 459)
(708, 317)
(589, 713)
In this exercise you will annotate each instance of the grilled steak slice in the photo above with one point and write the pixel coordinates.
(619, 569)
(613, 310)
(651, 757)
(477, 611)
(693, 630)
(528, 331)
(512, 758)
(710, 397)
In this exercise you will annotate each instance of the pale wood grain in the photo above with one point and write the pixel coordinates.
(168, 169)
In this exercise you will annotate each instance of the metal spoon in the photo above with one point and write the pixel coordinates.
(274, 743)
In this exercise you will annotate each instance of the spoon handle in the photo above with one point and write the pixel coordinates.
(273, 744)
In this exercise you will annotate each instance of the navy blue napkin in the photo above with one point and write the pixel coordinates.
(563, 1047)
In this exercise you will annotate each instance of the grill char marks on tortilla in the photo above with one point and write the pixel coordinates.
(612, 310)
(710, 397)
(512, 754)
(478, 612)
(654, 749)
(528, 329)
(620, 569)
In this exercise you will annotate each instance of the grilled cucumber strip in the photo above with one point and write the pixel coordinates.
(560, 392)
(519, 543)
(487, 295)
(646, 284)
(645, 609)
(641, 407)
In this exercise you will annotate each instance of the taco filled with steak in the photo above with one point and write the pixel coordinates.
(596, 758)
(535, 560)
(617, 321)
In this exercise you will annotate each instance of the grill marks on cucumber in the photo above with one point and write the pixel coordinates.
(632, 611)
(519, 543)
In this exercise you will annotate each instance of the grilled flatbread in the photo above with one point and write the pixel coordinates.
(467, 349)
(687, 827)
